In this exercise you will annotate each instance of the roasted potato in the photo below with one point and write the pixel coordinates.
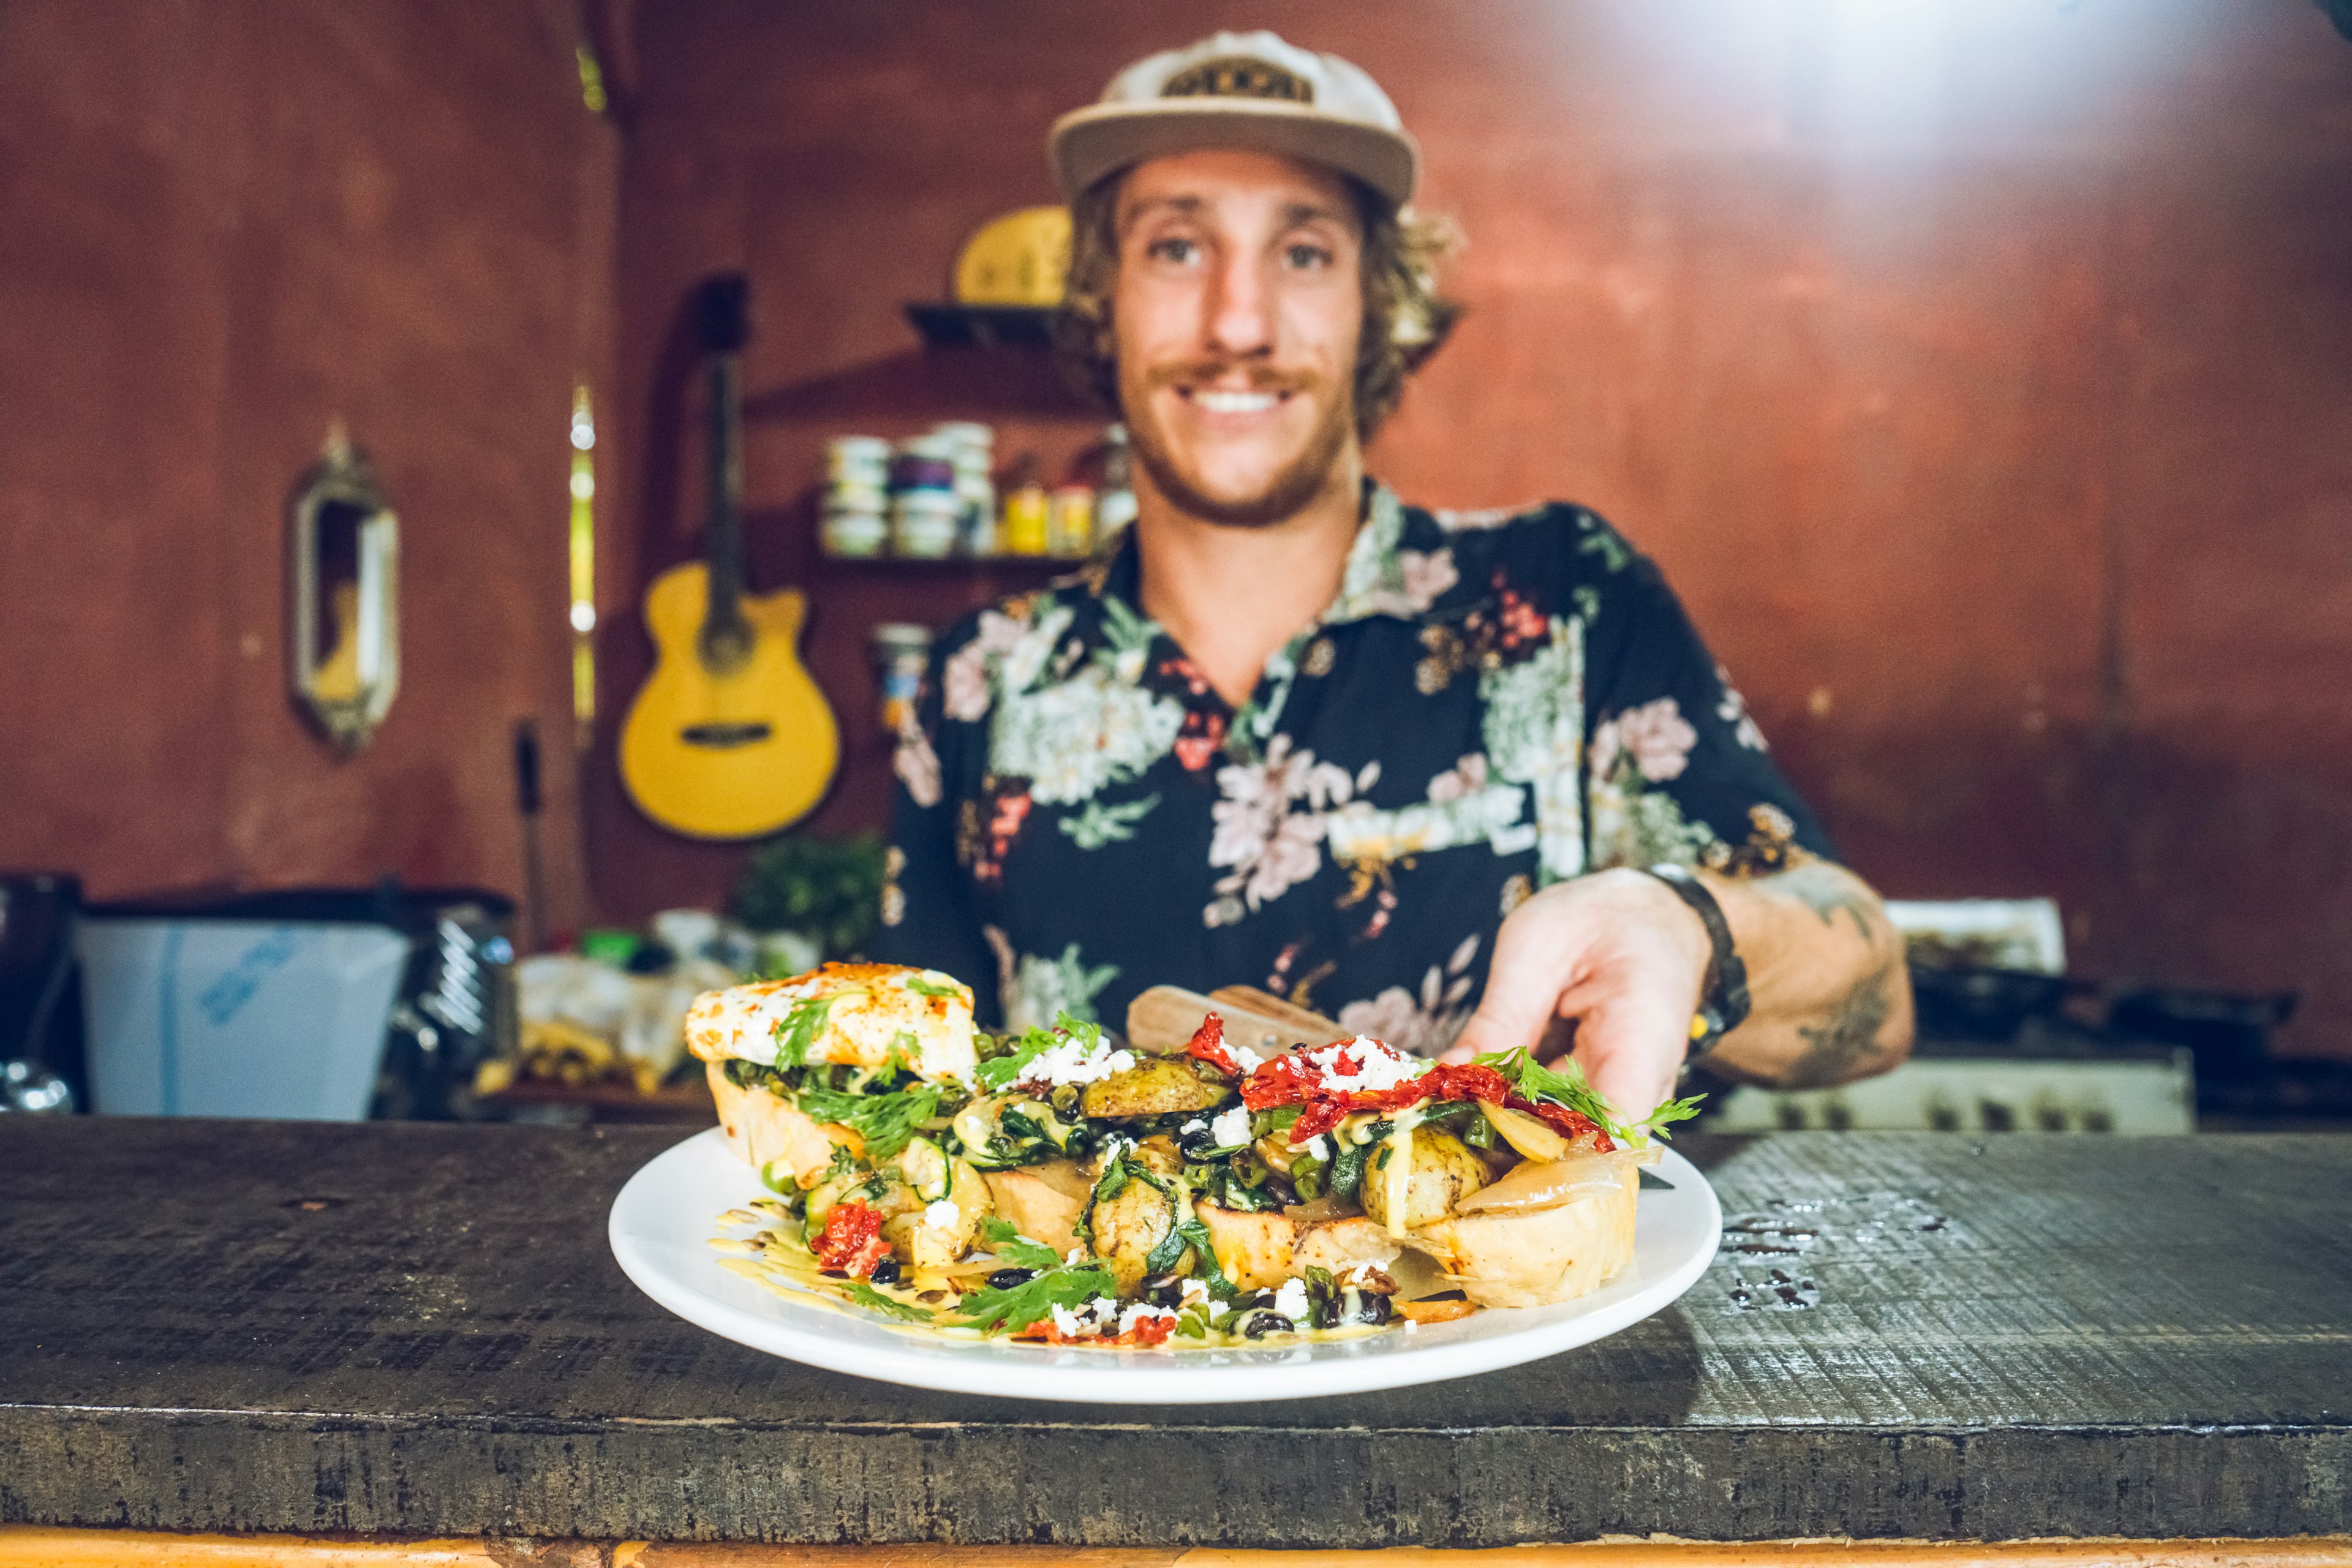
(1155, 1087)
(1127, 1225)
(1443, 1170)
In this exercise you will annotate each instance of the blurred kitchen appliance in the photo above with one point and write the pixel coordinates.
(1996, 1050)
(311, 1004)
(38, 914)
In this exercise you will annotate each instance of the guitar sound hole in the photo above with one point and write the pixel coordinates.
(719, 737)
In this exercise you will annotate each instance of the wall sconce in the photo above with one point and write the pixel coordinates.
(342, 577)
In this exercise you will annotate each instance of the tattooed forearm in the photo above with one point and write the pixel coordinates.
(1845, 1043)
(1826, 890)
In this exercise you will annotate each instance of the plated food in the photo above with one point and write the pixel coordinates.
(1057, 1186)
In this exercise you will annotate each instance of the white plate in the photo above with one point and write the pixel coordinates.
(664, 1218)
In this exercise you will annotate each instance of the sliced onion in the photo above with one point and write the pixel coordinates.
(1330, 1205)
(1526, 1133)
(1548, 1184)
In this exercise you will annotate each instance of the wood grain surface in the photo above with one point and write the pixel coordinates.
(419, 1329)
(37, 1546)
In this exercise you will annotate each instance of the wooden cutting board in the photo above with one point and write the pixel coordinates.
(1164, 1017)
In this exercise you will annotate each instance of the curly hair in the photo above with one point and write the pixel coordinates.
(1405, 317)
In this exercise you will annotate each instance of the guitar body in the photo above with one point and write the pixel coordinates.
(734, 752)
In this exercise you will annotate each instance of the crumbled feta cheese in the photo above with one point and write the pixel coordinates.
(1231, 1127)
(1074, 1061)
(1129, 1315)
(1190, 1290)
(1291, 1301)
(1069, 1325)
(1217, 1310)
(1077, 1254)
(943, 1215)
(1365, 1063)
(1243, 1054)
(1195, 1125)
(1318, 1146)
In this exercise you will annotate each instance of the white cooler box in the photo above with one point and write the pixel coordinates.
(205, 1016)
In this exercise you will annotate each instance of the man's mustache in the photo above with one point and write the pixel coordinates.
(1256, 377)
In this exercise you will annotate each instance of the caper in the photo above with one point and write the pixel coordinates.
(1010, 1278)
(1064, 1100)
(885, 1272)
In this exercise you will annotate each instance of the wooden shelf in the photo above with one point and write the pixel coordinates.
(950, 326)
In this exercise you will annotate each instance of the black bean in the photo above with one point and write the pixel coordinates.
(1164, 1290)
(1257, 1325)
(1279, 1189)
(885, 1272)
(1375, 1310)
(1010, 1278)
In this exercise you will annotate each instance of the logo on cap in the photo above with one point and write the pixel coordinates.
(1239, 77)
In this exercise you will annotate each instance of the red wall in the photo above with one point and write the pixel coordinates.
(1981, 372)
(221, 227)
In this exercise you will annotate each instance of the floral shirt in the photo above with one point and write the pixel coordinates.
(1496, 700)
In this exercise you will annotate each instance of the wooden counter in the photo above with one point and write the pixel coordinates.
(418, 1331)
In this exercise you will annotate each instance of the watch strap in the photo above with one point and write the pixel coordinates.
(1723, 1001)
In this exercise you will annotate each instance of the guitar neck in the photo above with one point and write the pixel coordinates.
(723, 546)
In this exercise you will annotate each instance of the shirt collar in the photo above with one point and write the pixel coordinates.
(1371, 583)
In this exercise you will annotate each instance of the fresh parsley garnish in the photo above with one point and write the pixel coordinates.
(797, 1030)
(1068, 1285)
(1000, 1072)
(922, 987)
(887, 1121)
(1539, 1082)
(864, 1295)
(1016, 1249)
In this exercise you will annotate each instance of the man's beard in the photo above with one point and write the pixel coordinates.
(1286, 495)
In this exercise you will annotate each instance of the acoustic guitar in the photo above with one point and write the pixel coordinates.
(728, 738)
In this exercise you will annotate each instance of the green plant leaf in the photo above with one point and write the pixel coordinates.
(1009, 1311)
(1016, 1249)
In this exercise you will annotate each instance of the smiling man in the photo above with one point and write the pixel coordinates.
(1463, 781)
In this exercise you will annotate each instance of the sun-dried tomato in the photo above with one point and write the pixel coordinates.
(1467, 1080)
(1292, 1080)
(1208, 1044)
(1149, 1332)
(852, 1240)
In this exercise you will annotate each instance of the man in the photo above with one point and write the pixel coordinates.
(1391, 764)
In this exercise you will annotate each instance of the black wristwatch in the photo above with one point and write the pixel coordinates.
(1723, 1000)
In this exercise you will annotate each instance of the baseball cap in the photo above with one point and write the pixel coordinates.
(1249, 90)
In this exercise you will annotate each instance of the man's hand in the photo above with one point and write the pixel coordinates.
(1622, 955)
(1619, 953)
